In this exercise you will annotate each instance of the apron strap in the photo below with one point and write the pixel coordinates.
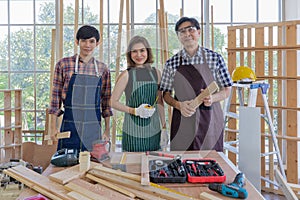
(95, 65)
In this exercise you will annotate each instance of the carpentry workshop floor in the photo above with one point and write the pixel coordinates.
(11, 192)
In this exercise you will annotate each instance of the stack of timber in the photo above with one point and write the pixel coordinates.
(97, 183)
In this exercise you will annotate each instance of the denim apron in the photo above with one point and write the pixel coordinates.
(82, 115)
(204, 129)
(140, 134)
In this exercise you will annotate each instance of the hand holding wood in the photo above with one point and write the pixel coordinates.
(212, 88)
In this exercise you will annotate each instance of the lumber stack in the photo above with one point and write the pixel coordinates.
(97, 183)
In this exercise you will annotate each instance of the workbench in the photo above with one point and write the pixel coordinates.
(132, 161)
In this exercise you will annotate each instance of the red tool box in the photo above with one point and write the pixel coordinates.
(203, 171)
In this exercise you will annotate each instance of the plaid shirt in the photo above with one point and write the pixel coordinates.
(64, 70)
(214, 60)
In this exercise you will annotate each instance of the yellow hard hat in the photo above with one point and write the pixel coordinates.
(243, 74)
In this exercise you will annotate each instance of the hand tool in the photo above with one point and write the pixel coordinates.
(153, 153)
(234, 189)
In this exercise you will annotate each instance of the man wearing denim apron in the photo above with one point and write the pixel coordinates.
(82, 85)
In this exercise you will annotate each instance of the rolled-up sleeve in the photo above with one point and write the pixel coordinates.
(57, 89)
(106, 94)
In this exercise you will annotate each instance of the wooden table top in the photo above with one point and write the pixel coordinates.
(133, 165)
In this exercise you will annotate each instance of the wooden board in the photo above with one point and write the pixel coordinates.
(38, 182)
(145, 179)
(94, 191)
(160, 191)
(211, 88)
(38, 155)
(68, 174)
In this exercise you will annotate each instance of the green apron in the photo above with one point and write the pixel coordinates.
(141, 134)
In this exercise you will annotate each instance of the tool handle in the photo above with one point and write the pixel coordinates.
(153, 153)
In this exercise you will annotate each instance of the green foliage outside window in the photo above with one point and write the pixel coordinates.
(28, 66)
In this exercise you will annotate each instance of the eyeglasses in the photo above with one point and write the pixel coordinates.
(190, 29)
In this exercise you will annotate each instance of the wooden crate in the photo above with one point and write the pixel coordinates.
(10, 124)
(270, 49)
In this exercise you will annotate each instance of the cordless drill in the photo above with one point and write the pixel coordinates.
(234, 189)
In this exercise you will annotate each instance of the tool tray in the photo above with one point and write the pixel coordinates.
(167, 171)
(203, 171)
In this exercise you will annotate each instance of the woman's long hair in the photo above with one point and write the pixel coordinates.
(134, 40)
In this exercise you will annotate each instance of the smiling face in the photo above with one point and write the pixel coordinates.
(188, 35)
(87, 46)
(139, 54)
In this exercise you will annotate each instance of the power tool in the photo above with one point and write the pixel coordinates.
(234, 189)
(100, 150)
(65, 157)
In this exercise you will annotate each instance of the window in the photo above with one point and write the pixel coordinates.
(25, 58)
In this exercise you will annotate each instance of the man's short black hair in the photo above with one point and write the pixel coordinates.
(86, 32)
(193, 21)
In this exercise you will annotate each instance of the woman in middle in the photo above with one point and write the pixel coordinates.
(144, 108)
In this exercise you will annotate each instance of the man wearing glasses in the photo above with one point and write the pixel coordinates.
(188, 72)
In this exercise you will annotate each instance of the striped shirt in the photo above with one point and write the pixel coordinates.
(214, 60)
(64, 70)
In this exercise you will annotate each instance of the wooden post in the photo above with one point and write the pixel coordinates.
(49, 119)
(128, 32)
(101, 31)
(291, 117)
(212, 28)
(114, 123)
(202, 23)
(61, 29)
(76, 23)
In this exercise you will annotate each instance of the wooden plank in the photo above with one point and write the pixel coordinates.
(231, 66)
(112, 186)
(263, 25)
(94, 191)
(291, 100)
(69, 174)
(140, 194)
(152, 189)
(270, 102)
(77, 196)
(145, 179)
(76, 23)
(32, 186)
(8, 133)
(38, 155)
(101, 27)
(81, 189)
(249, 38)
(118, 59)
(242, 44)
(211, 88)
(61, 30)
(118, 173)
(260, 71)
(37, 182)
